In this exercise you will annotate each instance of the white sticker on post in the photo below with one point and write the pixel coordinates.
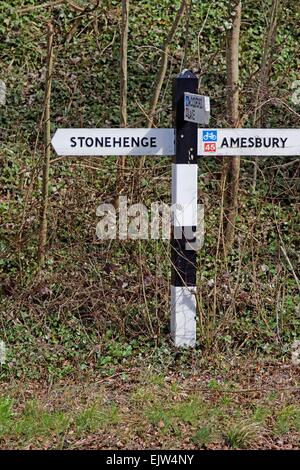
(207, 104)
(196, 108)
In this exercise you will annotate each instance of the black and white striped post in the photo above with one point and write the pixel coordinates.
(184, 216)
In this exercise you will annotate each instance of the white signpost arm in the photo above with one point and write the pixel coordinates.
(251, 142)
(101, 142)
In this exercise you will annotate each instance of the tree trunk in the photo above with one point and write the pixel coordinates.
(47, 151)
(162, 70)
(123, 77)
(232, 166)
(264, 75)
(187, 35)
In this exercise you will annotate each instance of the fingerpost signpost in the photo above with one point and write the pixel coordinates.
(184, 143)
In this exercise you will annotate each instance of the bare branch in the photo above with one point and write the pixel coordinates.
(47, 138)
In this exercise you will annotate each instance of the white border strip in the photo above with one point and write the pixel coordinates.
(183, 316)
(184, 194)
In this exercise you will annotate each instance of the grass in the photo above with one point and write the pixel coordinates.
(5, 414)
(288, 419)
(147, 412)
(96, 417)
(261, 414)
(241, 434)
(33, 422)
(174, 415)
(37, 426)
(202, 437)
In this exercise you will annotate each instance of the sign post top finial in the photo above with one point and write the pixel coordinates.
(186, 74)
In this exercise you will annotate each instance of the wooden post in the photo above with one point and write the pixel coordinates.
(184, 217)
